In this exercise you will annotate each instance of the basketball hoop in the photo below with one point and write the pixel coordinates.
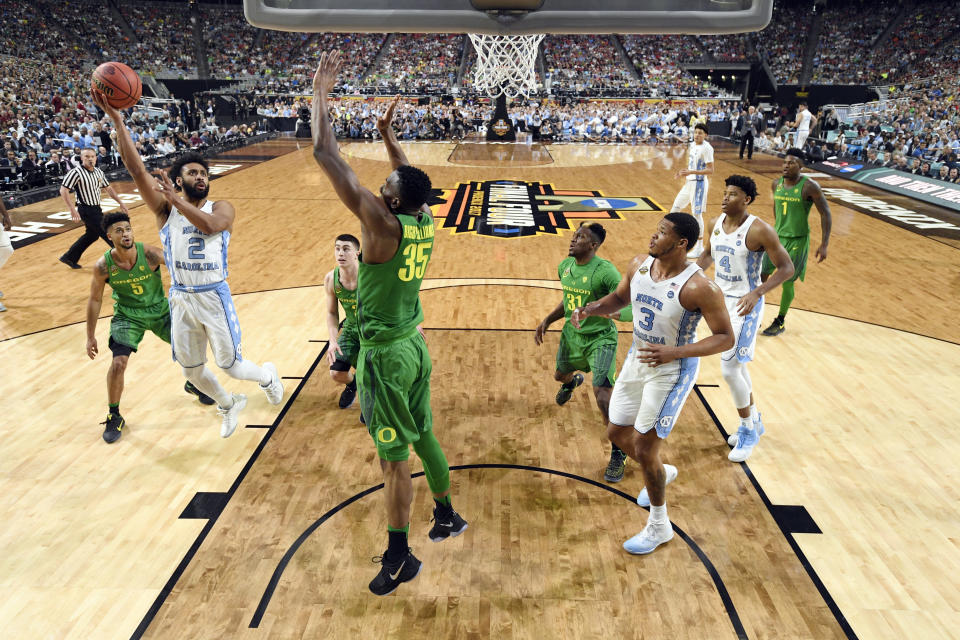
(506, 64)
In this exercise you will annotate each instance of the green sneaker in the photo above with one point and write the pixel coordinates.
(618, 462)
(566, 391)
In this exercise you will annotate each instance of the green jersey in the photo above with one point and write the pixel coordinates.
(388, 294)
(790, 210)
(583, 284)
(138, 288)
(347, 298)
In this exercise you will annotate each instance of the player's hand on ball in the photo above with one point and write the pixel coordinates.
(101, 101)
(656, 354)
(92, 348)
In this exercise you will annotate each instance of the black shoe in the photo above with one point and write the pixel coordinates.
(70, 263)
(114, 422)
(204, 398)
(362, 421)
(776, 327)
(393, 573)
(618, 462)
(348, 396)
(447, 524)
(565, 392)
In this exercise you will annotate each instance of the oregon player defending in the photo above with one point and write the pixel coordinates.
(196, 233)
(592, 347)
(793, 195)
(393, 369)
(132, 270)
(669, 296)
(341, 288)
(737, 244)
(697, 182)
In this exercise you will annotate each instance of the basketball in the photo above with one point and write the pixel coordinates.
(119, 84)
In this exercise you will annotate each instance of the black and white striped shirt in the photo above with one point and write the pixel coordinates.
(87, 184)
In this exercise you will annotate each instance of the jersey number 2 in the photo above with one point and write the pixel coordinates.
(195, 251)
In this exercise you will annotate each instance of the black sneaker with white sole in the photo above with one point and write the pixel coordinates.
(447, 523)
(566, 390)
(348, 395)
(392, 574)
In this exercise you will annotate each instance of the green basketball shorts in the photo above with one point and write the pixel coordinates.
(129, 324)
(799, 249)
(394, 384)
(596, 352)
(349, 341)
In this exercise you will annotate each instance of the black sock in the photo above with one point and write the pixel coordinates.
(397, 543)
(570, 385)
(114, 409)
(352, 385)
(617, 449)
(444, 507)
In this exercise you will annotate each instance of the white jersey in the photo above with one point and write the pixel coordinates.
(658, 316)
(697, 158)
(194, 258)
(738, 268)
(804, 117)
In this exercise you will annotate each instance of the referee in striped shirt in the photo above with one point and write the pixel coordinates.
(87, 181)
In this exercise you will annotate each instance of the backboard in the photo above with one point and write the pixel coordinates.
(506, 17)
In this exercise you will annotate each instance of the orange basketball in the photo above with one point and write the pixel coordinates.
(119, 84)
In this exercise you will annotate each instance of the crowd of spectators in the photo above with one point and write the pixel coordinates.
(657, 59)
(782, 43)
(848, 32)
(727, 48)
(580, 64)
(418, 63)
(165, 41)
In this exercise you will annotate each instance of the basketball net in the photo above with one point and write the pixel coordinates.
(505, 64)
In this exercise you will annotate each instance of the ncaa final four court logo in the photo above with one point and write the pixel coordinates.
(518, 208)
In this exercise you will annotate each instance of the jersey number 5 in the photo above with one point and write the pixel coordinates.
(415, 266)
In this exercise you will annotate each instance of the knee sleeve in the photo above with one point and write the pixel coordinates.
(435, 464)
(203, 379)
(733, 373)
(246, 370)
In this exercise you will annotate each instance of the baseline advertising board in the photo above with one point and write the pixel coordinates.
(943, 194)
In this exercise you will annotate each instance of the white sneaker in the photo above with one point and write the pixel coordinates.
(757, 425)
(746, 440)
(643, 499)
(274, 390)
(652, 536)
(231, 414)
(2, 308)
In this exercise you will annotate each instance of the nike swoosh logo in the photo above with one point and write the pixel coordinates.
(393, 576)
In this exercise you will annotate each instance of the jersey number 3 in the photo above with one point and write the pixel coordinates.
(415, 265)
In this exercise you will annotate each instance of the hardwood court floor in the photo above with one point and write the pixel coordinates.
(859, 397)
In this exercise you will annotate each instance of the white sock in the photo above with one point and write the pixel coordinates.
(203, 379)
(754, 414)
(747, 423)
(658, 515)
(246, 370)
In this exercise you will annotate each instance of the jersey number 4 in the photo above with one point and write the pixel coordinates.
(725, 263)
